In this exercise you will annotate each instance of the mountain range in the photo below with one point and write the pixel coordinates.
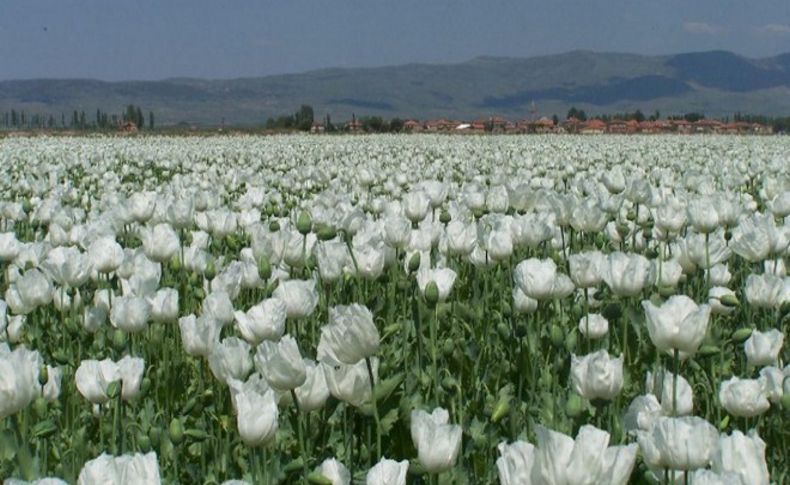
(716, 83)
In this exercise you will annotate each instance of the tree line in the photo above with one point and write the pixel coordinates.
(77, 120)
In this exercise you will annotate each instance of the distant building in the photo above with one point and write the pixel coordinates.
(412, 126)
(592, 127)
(128, 127)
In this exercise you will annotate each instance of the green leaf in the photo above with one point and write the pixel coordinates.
(44, 429)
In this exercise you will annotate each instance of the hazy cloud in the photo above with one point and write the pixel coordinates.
(774, 29)
(700, 28)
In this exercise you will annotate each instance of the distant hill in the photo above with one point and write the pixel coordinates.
(717, 83)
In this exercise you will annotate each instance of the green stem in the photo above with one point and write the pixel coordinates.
(434, 364)
(375, 407)
(300, 435)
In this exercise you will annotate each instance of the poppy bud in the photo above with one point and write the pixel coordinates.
(414, 262)
(741, 334)
(729, 300)
(327, 233)
(176, 431)
(43, 375)
(118, 339)
(573, 406)
(304, 224)
(431, 293)
(114, 389)
(211, 271)
(555, 332)
(264, 268)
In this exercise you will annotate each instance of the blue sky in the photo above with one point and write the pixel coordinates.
(156, 39)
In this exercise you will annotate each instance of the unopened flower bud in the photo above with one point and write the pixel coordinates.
(176, 431)
(304, 224)
(414, 262)
(431, 293)
(741, 334)
(729, 300)
(573, 406)
(264, 268)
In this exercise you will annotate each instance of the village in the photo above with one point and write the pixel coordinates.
(545, 125)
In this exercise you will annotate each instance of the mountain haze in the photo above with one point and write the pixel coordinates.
(717, 83)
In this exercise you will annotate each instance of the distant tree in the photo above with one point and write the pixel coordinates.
(139, 119)
(373, 124)
(638, 116)
(328, 126)
(579, 114)
(693, 117)
(150, 120)
(303, 119)
(555, 119)
(51, 122)
(14, 118)
(396, 125)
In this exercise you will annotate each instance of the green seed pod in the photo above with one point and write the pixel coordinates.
(175, 263)
(507, 311)
(232, 242)
(785, 402)
(724, 423)
(503, 329)
(708, 350)
(195, 450)
(729, 301)
(211, 271)
(414, 262)
(666, 291)
(327, 233)
(431, 294)
(199, 293)
(118, 339)
(740, 335)
(114, 389)
(40, 407)
(43, 375)
(60, 357)
(501, 408)
(570, 342)
(574, 405)
(447, 347)
(264, 268)
(144, 442)
(304, 224)
(557, 338)
(521, 330)
(318, 479)
(145, 386)
(444, 217)
(176, 431)
(274, 226)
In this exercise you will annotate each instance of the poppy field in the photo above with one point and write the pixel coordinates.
(394, 309)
